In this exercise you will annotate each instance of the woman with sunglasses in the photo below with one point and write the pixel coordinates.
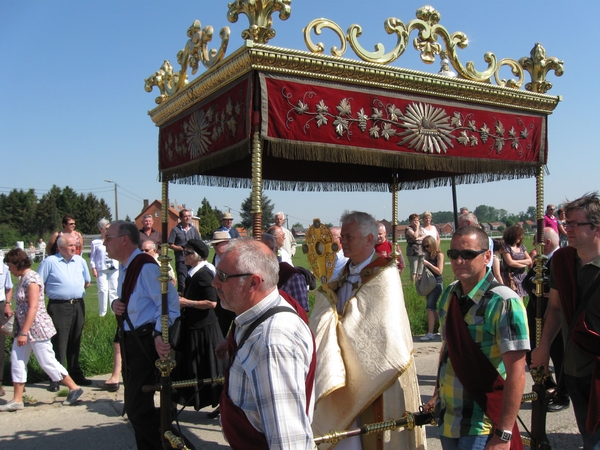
(516, 259)
(433, 261)
(200, 331)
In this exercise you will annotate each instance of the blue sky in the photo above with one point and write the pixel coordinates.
(74, 109)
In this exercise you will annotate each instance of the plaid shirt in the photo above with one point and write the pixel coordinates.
(497, 322)
(267, 378)
(296, 287)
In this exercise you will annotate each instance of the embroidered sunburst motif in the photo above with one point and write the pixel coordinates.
(428, 129)
(197, 134)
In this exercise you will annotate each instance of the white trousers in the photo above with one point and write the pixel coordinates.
(107, 289)
(19, 356)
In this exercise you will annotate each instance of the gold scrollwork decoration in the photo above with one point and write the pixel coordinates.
(259, 14)
(195, 51)
(516, 70)
(318, 25)
(427, 42)
(538, 65)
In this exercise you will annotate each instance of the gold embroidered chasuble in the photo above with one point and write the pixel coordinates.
(364, 354)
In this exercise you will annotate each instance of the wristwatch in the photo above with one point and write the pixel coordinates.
(155, 333)
(504, 435)
(20, 333)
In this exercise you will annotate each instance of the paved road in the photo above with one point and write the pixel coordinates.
(96, 423)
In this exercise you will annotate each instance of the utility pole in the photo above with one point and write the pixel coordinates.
(116, 201)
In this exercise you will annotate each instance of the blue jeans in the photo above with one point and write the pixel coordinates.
(579, 391)
(465, 442)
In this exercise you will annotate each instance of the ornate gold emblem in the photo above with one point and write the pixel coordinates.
(320, 250)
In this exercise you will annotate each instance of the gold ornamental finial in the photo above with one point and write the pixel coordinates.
(538, 66)
(259, 15)
(194, 52)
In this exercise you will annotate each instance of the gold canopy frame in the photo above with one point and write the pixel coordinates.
(271, 117)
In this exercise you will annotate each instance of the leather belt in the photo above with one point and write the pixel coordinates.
(72, 301)
(141, 331)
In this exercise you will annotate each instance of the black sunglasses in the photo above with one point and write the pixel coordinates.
(223, 277)
(464, 254)
(188, 252)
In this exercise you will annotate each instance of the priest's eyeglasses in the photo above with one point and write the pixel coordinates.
(223, 277)
(464, 254)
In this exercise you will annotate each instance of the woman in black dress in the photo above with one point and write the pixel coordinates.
(200, 331)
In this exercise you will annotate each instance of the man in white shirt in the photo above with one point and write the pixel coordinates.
(290, 242)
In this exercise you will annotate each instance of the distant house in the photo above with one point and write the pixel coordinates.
(155, 209)
(486, 227)
(495, 226)
(298, 232)
(400, 229)
(532, 224)
(446, 229)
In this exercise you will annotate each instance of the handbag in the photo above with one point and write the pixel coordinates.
(175, 334)
(426, 282)
(10, 327)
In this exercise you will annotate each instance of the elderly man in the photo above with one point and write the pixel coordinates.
(280, 237)
(6, 311)
(366, 368)
(485, 338)
(574, 307)
(66, 277)
(147, 233)
(179, 236)
(139, 310)
(267, 398)
(227, 225)
(149, 247)
(290, 242)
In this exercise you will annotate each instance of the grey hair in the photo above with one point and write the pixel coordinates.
(251, 257)
(151, 242)
(128, 229)
(280, 213)
(102, 223)
(366, 223)
(468, 217)
(145, 216)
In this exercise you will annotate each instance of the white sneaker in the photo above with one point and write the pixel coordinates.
(428, 337)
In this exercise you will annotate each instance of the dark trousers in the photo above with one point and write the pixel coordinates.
(139, 370)
(579, 391)
(182, 274)
(2, 344)
(68, 320)
(557, 350)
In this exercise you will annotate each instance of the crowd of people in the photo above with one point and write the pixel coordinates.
(245, 314)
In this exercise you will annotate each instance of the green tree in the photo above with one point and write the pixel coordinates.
(18, 210)
(246, 212)
(48, 216)
(441, 217)
(209, 218)
(298, 224)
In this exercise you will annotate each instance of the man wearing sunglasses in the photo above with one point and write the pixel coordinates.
(267, 399)
(366, 367)
(485, 338)
(574, 307)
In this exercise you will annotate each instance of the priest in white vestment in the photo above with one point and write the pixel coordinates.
(366, 371)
